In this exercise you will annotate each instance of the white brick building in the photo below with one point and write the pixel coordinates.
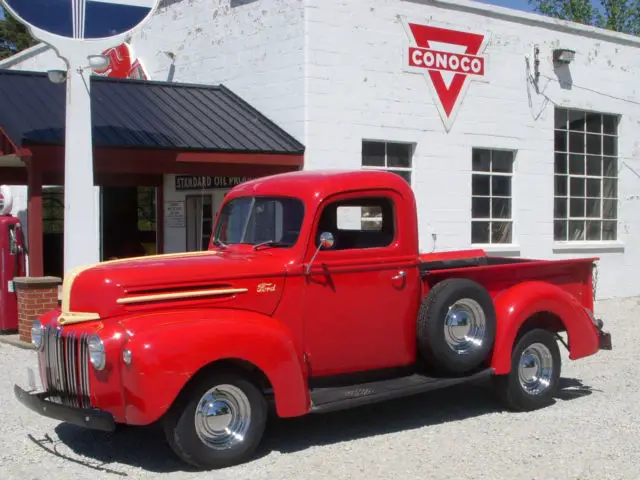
(334, 74)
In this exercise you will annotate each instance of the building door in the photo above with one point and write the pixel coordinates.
(201, 214)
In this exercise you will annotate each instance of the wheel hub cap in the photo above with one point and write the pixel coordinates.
(222, 417)
(465, 326)
(535, 369)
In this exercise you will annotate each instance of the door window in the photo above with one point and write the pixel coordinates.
(358, 223)
(199, 222)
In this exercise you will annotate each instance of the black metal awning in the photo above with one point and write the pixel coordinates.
(141, 114)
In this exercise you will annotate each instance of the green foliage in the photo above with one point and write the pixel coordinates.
(618, 15)
(14, 36)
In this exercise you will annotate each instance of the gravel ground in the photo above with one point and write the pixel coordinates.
(591, 432)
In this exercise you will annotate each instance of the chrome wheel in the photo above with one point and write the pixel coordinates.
(535, 369)
(464, 326)
(223, 417)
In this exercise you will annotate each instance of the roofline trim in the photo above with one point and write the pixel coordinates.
(513, 15)
(24, 55)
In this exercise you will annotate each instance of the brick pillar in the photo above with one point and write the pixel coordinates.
(36, 295)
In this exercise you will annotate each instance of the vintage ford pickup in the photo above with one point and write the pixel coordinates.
(311, 297)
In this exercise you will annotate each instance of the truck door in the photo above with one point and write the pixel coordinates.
(362, 293)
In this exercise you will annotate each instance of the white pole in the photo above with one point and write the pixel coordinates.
(81, 241)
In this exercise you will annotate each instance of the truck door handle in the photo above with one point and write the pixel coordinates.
(400, 275)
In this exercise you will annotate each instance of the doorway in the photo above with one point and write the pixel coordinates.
(201, 212)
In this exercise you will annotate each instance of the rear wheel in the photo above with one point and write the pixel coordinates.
(218, 422)
(535, 372)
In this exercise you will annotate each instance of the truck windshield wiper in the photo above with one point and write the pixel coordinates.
(219, 243)
(271, 243)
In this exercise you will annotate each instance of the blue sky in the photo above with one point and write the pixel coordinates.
(517, 4)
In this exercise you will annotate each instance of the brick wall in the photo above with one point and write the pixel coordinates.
(36, 296)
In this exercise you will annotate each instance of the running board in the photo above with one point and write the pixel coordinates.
(341, 398)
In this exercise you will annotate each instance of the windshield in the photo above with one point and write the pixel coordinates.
(257, 220)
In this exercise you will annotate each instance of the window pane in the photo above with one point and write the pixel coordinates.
(576, 230)
(609, 208)
(501, 208)
(502, 161)
(480, 207)
(609, 167)
(479, 232)
(576, 187)
(481, 160)
(560, 141)
(576, 120)
(593, 208)
(610, 187)
(610, 124)
(480, 185)
(576, 142)
(560, 230)
(501, 186)
(373, 154)
(561, 185)
(593, 187)
(594, 229)
(560, 118)
(594, 144)
(399, 155)
(594, 122)
(561, 163)
(576, 164)
(609, 145)
(576, 207)
(609, 230)
(560, 207)
(594, 165)
(501, 232)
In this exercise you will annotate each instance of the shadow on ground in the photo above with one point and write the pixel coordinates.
(145, 448)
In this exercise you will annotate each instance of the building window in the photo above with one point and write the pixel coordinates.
(586, 183)
(390, 156)
(491, 203)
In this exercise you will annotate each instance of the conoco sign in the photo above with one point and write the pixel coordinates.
(449, 60)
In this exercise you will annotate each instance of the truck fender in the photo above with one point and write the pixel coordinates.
(519, 303)
(165, 356)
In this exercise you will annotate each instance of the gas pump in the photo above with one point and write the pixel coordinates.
(12, 261)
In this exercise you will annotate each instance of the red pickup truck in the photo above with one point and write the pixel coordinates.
(312, 297)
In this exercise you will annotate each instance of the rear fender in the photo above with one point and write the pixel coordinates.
(519, 303)
(169, 348)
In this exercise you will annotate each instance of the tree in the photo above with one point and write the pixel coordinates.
(618, 15)
(14, 36)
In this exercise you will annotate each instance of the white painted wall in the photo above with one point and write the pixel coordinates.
(356, 88)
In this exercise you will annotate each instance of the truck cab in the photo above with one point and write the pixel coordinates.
(312, 296)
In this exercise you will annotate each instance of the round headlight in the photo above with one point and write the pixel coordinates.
(97, 356)
(36, 334)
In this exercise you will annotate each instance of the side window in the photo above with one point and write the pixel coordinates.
(359, 223)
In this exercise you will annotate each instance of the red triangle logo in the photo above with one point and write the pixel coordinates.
(439, 53)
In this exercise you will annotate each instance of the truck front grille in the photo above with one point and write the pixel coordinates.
(66, 367)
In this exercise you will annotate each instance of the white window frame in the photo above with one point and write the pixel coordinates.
(563, 158)
(386, 166)
(491, 219)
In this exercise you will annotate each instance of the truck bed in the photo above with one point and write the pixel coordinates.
(498, 273)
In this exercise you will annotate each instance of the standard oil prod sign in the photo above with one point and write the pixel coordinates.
(198, 182)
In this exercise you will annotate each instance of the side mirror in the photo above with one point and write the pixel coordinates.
(326, 242)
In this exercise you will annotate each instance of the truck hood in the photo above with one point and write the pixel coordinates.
(201, 279)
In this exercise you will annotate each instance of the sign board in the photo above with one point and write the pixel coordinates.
(196, 182)
(123, 63)
(82, 19)
(174, 216)
(449, 60)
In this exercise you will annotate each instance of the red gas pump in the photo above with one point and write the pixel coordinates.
(12, 261)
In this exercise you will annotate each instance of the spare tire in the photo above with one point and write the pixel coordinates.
(456, 326)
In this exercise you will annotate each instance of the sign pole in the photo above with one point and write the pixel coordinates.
(81, 244)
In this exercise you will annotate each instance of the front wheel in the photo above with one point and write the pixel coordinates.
(218, 422)
(535, 372)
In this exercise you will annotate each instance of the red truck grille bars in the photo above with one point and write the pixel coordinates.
(66, 367)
